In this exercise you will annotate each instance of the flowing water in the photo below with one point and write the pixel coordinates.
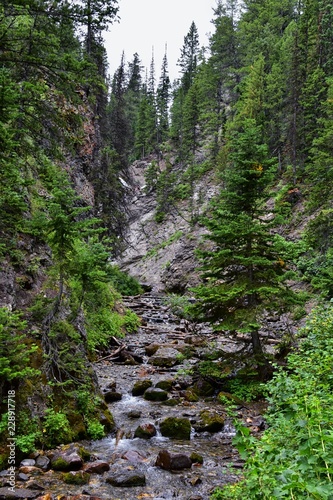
(124, 452)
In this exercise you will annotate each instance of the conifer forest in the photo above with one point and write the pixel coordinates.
(207, 200)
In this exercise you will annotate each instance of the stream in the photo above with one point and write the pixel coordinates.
(126, 453)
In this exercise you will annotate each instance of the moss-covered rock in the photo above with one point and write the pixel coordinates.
(78, 478)
(145, 431)
(203, 388)
(171, 402)
(196, 458)
(176, 427)
(166, 384)
(209, 421)
(155, 394)
(191, 396)
(141, 386)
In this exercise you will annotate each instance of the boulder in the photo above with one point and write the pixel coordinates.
(29, 470)
(28, 462)
(68, 458)
(127, 478)
(145, 431)
(134, 414)
(166, 460)
(76, 477)
(166, 384)
(141, 386)
(151, 349)
(165, 357)
(209, 421)
(155, 394)
(176, 427)
(203, 388)
(134, 456)
(42, 462)
(97, 467)
(22, 493)
(112, 396)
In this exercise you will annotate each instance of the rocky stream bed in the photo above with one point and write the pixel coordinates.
(169, 443)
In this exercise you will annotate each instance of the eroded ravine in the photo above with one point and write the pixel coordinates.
(126, 454)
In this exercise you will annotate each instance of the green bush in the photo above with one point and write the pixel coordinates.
(56, 428)
(95, 429)
(294, 457)
(15, 348)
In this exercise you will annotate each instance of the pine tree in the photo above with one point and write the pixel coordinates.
(244, 273)
(119, 127)
(188, 63)
(163, 98)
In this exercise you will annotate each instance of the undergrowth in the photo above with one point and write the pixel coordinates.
(294, 457)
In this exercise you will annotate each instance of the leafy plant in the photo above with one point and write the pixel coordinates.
(15, 348)
(56, 427)
(294, 457)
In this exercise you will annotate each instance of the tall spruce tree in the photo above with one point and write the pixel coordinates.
(244, 274)
(188, 63)
(163, 99)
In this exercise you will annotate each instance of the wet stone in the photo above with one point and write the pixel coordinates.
(155, 394)
(177, 428)
(18, 493)
(112, 396)
(134, 456)
(134, 414)
(43, 462)
(97, 467)
(28, 462)
(145, 431)
(166, 460)
(126, 479)
(22, 477)
(141, 386)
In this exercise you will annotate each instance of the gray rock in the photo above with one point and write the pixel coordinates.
(167, 461)
(112, 396)
(141, 386)
(97, 467)
(42, 462)
(6, 493)
(28, 462)
(126, 479)
(155, 394)
(145, 431)
(22, 477)
(165, 357)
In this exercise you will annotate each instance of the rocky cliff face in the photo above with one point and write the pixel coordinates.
(162, 254)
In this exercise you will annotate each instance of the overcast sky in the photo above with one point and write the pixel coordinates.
(153, 23)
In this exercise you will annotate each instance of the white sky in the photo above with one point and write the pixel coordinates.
(153, 23)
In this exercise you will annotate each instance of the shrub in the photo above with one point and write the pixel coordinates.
(294, 457)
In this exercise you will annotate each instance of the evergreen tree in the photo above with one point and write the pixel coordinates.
(188, 60)
(95, 16)
(119, 127)
(163, 98)
(220, 72)
(188, 63)
(146, 125)
(244, 273)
